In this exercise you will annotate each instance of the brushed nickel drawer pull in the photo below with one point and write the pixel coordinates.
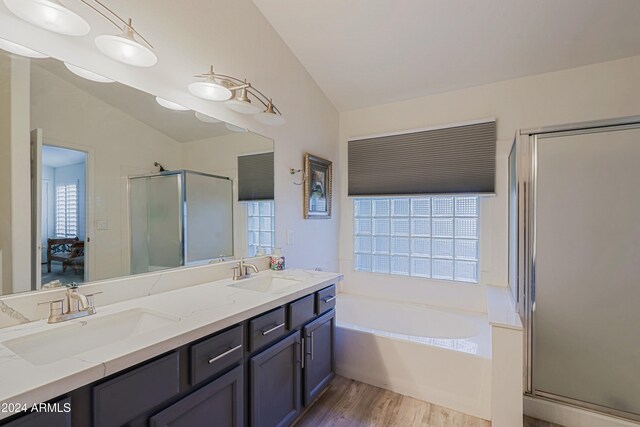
(268, 331)
(328, 299)
(226, 353)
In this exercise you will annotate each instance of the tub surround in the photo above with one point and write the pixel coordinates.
(501, 308)
(507, 358)
(187, 314)
(467, 360)
(439, 355)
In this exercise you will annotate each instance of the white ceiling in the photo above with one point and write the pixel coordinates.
(370, 52)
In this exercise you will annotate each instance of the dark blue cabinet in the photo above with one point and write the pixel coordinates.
(121, 399)
(218, 404)
(275, 384)
(319, 362)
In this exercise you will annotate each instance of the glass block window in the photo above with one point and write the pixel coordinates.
(434, 237)
(260, 227)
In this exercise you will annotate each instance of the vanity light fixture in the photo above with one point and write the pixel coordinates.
(20, 50)
(53, 16)
(170, 104)
(236, 93)
(212, 88)
(241, 103)
(270, 117)
(206, 118)
(126, 49)
(50, 15)
(234, 128)
(86, 74)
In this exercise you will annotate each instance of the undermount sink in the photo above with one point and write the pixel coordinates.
(80, 336)
(266, 284)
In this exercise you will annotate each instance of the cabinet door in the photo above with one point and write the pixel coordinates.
(319, 364)
(275, 384)
(218, 404)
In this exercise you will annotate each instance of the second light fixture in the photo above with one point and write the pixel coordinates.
(236, 94)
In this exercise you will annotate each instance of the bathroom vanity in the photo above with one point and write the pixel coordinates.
(247, 352)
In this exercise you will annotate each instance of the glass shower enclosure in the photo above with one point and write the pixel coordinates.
(179, 218)
(574, 248)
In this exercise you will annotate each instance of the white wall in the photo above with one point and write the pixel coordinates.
(5, 175)
(238, 40)
(14, 144)
(600, 91)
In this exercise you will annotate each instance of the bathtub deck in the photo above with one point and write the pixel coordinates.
(348, 403)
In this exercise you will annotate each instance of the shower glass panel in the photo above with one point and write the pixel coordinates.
(156, 223)
(179, 218)
(209, 217)
(586, 339)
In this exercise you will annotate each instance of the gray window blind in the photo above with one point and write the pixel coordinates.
(459, 159)
(255, 177)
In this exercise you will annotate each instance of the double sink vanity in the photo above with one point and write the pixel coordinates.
(241, 352)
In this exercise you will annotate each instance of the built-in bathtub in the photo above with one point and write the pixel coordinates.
(440, 356)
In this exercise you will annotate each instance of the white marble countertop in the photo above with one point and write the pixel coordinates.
(199, 311)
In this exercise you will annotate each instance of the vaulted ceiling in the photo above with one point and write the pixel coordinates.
(369, 52)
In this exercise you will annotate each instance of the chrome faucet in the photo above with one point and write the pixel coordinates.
(241, 271)
(77, 303)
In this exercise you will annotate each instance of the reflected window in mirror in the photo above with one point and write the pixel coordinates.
(260, 228)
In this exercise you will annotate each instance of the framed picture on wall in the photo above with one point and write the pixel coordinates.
(318, 174)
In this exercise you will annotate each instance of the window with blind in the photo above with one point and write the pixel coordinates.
(67, 210)
(433, 237)
(460, 159)
(417, 199)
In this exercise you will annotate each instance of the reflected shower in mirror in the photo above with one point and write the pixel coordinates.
(99, 180)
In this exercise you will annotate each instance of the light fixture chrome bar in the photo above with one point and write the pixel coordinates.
(127, 24)
(271, 115)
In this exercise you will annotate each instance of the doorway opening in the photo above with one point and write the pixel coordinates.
(63, 225)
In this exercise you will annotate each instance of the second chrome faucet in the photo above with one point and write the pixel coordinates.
(241, 270)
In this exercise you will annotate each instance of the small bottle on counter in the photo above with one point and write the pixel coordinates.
(277, 260)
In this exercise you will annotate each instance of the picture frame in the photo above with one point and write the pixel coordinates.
(318, 178)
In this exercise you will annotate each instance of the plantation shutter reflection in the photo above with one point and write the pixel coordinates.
(255, 177)
(452, 160)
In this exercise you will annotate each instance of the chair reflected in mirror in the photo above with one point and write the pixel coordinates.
(69, 252)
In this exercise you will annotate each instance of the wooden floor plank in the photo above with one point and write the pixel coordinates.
(348, 403)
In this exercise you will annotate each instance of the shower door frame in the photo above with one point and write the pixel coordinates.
(182, 173)
(526, 143)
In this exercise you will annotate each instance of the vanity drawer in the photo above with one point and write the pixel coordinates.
(120, 400)
(301, 311)
(326, 299)
(215, 354)
(266, 328)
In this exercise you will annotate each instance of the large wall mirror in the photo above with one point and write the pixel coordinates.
(99, 180)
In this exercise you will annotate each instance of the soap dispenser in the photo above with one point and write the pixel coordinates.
(277, 260)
